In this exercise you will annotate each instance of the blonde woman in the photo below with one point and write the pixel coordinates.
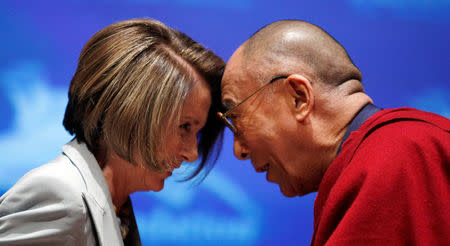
(142, 101)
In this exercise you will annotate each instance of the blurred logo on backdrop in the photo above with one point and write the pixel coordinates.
(32, 134)
(202, 3)
(408, 9)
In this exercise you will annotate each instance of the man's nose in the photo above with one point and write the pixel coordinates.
(241, 151)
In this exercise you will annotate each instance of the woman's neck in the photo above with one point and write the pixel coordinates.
(115, 173)
(117, 183)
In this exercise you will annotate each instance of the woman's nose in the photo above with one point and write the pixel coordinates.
(190, 150)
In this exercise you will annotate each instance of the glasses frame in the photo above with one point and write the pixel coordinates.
(224, 116)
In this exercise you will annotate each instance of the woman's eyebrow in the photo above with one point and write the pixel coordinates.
(196, 122)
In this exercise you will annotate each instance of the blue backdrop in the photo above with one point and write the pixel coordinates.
(401, 46)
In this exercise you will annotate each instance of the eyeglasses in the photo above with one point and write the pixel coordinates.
(224, 116)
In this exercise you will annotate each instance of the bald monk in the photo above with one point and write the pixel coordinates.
(297, 108)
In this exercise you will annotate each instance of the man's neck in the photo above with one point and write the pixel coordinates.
(341, 113)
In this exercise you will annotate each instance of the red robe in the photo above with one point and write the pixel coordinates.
(390, 185)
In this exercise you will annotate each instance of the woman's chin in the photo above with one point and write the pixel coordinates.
(157, 189)
(159, 184)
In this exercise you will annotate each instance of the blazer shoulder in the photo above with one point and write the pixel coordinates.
(46, 204)
(57, 181)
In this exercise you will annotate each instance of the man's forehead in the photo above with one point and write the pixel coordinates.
(237, 87)
(240, 78)
(234, 81)
(233, 89)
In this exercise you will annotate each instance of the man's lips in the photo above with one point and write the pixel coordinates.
(263, 168)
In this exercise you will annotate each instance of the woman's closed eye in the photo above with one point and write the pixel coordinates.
(186, 127)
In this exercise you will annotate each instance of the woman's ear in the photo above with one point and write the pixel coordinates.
(301, 92)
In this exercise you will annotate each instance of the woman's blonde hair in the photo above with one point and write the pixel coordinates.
(130, 85)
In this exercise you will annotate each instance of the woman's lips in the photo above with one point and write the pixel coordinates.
(173, 165)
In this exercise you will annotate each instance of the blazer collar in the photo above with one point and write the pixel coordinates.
(86, 163)
(96, 195)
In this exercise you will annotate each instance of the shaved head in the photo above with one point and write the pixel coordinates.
(292, 46)
(292, 130)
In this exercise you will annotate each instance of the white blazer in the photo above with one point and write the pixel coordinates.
(65, 202)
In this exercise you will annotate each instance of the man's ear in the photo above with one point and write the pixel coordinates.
(301, 92)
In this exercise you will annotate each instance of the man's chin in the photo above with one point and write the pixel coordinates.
(288, 192)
